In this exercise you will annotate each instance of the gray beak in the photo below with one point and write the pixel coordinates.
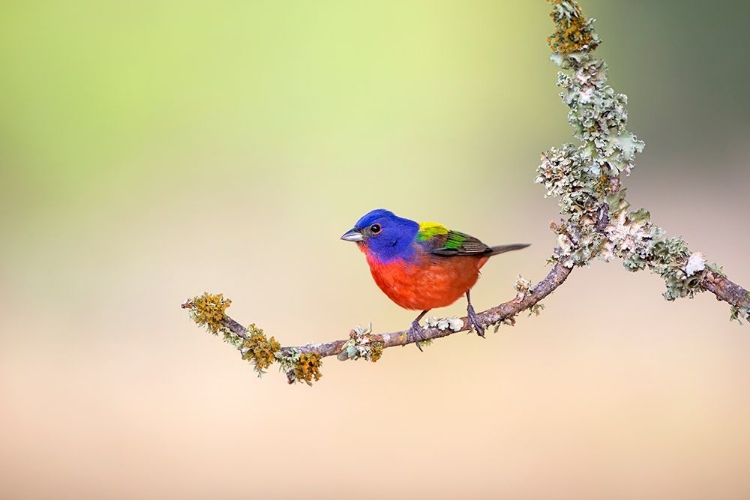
(352, 235)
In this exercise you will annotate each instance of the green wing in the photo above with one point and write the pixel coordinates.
(439, 240)
(461, 244)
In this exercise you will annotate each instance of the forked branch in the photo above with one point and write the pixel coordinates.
(597, 222)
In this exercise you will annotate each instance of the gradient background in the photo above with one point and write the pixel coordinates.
(153, 150)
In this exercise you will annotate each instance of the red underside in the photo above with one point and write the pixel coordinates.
(431, 282)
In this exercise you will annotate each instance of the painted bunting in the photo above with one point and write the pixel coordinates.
(421, 266)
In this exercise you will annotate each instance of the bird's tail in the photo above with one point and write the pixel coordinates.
(507, 248)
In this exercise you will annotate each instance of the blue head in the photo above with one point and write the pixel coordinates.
(384, 235)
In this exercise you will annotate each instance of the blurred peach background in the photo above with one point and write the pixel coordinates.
(150, 151)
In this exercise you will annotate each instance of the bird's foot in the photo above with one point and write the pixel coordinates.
(474, 321)
(415, 334)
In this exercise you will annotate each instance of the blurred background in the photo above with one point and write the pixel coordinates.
(154, 150)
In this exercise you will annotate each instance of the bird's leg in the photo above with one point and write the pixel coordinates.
(473, 318)
(415, 331)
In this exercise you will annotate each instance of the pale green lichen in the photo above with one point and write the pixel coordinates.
(425, 343)
(362, 344)
(536, 309)
(454, 324)
(695, 264)
(522, 286)
(587, 178)
(717, 269)
(739, 313)
(564, 174)
(510, 321)
(633, 238)
(232, 338)
(287, 359)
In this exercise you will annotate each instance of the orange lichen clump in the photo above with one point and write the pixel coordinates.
(572, 33)
(307, 369)
(209, 310)
(376, 350)
(259, 349)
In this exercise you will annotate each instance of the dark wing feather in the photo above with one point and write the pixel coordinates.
(455, 243)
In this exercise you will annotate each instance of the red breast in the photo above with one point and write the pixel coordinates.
(433, 281)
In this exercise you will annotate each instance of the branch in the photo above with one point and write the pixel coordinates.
(597, 222)
(505, 312)
(729, 292)
(361, 343)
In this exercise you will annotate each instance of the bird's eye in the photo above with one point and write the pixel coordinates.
(375, 228)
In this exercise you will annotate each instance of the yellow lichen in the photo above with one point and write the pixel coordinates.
(307, 369)
(376, 350)
(209, 310)
(259, 349)
(572, 31)
(603, 185)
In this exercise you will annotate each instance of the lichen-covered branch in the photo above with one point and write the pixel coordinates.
(302, 363)
(588, 178)
(597, 222)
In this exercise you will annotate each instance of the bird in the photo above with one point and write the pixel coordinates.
(422, 265)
